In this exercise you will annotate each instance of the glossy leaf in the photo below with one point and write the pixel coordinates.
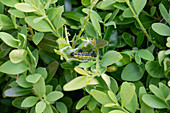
(22, 82)
(16, 92)
(16, 13)
(128, 38)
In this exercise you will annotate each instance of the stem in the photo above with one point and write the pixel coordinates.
(121, 107)
(141, 25)
(84, 24)
(52, 27)
(47, 19)
(29, 66)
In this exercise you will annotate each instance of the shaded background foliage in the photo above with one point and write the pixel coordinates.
(131, 70)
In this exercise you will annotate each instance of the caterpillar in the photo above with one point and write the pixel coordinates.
(83, 55)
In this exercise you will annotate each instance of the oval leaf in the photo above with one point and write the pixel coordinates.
(161, 29)
(10, 68)
(17, 55)
(83, 101)
(77, 83)
(29, 101)
(40, 107)
(9, 39)
(133, 72)
(25, 7)
(55, 95)
(153, 101)
(154, 69)
(41, 26)
(110, 57)
(145, 54)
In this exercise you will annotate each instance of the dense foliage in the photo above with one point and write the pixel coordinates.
(85, 56)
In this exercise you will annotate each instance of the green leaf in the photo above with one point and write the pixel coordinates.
(41, 26)
(48, 109)
(37, 38)
(128, 38)
(16, 13)
(145, 108)
(9, 39)
(39, 87)
(18, 55)
(10, 68)
(10, 3)
(25, 7)
(110, 57)
(95, 24)
(120, 1)
(161, 29)
(40, 107)
(156, 91)
(154, 102)
(77, 83)
(164, 13)
(52, 68)
(139, 5)
(42, 71)
(91, 105)
(17, 102)
(133, 72)
(22, 81)
(126, 93)
(58, 20)
(112, 96)
(83, 101)
(127, 13)
(152, 10)
(116, 111)
(61, 107)
(145, 54)
(125, 60)
(101, 97)
(74, 15)
(33, 78)
(140, 39)
(89, 29)
(154, 69)
(106, 5)
(5, 22)
(80, 71)
(29, 101)
(93, 13)
(86, 2)
(55, 95)
(16, 92)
